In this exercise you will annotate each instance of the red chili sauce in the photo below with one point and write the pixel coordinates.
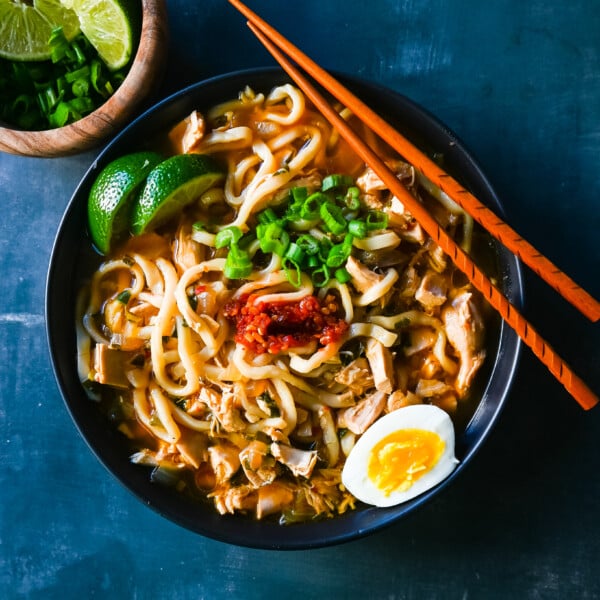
(277, 327)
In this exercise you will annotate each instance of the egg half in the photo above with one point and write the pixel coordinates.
(401, 455)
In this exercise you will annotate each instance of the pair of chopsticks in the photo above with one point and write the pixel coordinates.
(277, 45)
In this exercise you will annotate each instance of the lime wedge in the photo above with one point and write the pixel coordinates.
(25, 28)
(111, 26)
(172, 185)
(112, 195)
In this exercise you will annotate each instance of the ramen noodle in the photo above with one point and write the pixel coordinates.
(250, 342)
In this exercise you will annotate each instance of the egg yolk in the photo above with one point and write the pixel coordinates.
(402, 457)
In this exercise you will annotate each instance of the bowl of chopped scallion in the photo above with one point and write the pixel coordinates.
(72, 72)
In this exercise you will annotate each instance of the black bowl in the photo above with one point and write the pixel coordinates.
(73, 258)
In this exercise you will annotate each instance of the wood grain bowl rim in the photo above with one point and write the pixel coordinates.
(143, 77)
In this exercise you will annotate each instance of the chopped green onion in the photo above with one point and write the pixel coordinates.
(295, 254)
(237, 264)
(60, 115)
(96, 76)
(293, 272)
(308, 243)
(81, 73)
(313, 261)
(352, 199)
(357, 228)
(80, 88)
(312, 205)
(333, 218)
(22, 103)
(338, 255)
(324, 247)
(299, 194)
(342, 275)
(267, 216)
(228, 236)
(273, 238)
(321, 276)
(82, 105)
(198, 226)
(376, 219)
(59, 46)
(336, 181)
(330, 214)
(72, 83)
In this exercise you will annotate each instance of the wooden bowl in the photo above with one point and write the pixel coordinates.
(143, 77)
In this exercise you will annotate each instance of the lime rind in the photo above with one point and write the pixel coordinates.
(111, 26)
(113, 195)
(170, 187)
(25, 29)
(175, 202)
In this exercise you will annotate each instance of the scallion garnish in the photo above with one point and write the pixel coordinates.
(333, 218)
(273, 238)
(228, 236)
(335, 181)
(342, 275)
(237, 264)
(333, 214)
(357, 228)
(376, 219)
(56, 92)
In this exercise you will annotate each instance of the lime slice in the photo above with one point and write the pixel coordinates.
(171, 186)
(25, 28)
(111, 26)
(113, 194)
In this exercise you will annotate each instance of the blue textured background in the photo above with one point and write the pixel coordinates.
(519, 82)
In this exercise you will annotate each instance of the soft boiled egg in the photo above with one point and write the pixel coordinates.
(401, 455)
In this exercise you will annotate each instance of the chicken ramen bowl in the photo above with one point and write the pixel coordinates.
(255, 337)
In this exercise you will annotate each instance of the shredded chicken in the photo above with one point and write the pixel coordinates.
(258, 465)
(108, 366)
(300, 462)
(193, 447)
(419, 339)
(404, 223)
(369, 182)
(273, 498)
(399, 399)
(362, 277)
(224, 460)
(193, 133)
(432, 291)
(229, 499)
(465, 331)
(356, 376)
(357, 418)
(124, 326)
(224, 408)
(381, 363)
(409, 282)
(186, 252)
(427, 388)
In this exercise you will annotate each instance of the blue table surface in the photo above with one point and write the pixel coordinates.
(519, 82)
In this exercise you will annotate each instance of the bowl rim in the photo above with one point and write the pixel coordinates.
(143, 77)
(236, 529)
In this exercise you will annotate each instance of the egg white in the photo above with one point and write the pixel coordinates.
(423, 416)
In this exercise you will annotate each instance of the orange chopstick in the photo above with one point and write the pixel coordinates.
(574, 385)
(500, 230)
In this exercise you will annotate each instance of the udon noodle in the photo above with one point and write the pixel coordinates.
(250, 388)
